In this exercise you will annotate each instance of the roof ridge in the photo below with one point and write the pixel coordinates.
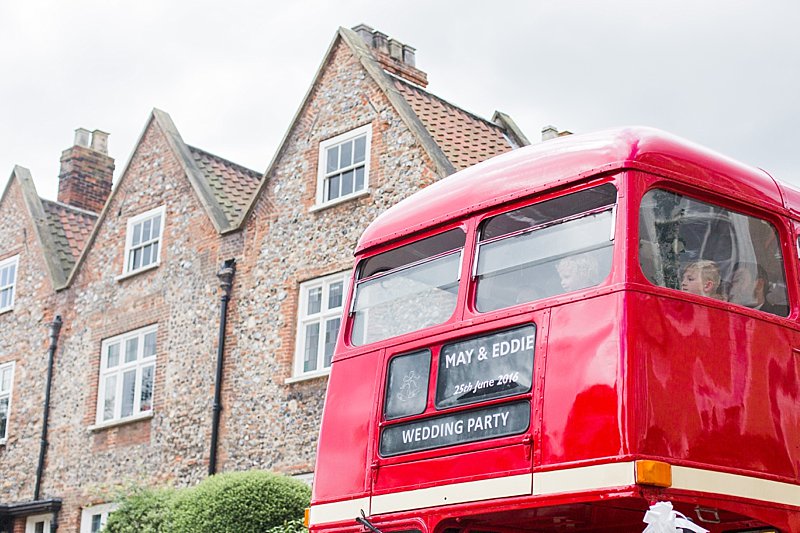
(225, 160)
(70, 207)
(447, 102)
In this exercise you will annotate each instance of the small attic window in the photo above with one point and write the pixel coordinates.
(143, 240)
(8, 282)
(343, 166)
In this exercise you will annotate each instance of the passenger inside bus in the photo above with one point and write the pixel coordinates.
(578, 272)
(750, 287)
(702, 278)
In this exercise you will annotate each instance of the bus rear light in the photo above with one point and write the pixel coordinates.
(655, 473)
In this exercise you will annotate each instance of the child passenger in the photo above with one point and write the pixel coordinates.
(702, 277)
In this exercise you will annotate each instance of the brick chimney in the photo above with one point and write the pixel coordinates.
(394, 56)
(86, 171)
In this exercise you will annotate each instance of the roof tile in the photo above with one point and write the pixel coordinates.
(232, 184)
(70, 228)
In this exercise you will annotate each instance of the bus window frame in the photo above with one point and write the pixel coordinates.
(642, 182)
(617, 178)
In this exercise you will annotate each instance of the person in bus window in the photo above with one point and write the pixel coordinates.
(702, 278)
(578, 272)
(750, 286)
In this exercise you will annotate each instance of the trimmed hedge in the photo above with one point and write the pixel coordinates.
(234, 502)
(143, 511)
(240, 502)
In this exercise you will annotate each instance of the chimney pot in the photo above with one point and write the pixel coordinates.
(100, 141)
(82, 137)
(365, 32)
(380, 41)
(549, 132)
(396, 49)
(409, 57)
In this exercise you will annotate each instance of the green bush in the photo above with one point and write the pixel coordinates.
(241, 502)
(142, 511)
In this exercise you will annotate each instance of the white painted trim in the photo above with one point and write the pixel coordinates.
(10, 394)
(584, 478)
(13, 260)
(366, 131)
(736, 485)
(337, 511)
(132, 221)
(103, 509)
(470, 491)
(30, 523)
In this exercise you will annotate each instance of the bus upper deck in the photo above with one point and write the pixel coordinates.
(555, 338)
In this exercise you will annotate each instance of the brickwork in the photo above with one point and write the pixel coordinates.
(23, 341)
(85, 178)
(267, 422)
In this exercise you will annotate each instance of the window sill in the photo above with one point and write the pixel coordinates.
(309, 376)
(132, 273)
(6, 310)
(121, 422)
(332, 203)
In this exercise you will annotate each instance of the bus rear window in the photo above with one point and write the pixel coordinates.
(408, 288)
(697, 247)
(547, 248)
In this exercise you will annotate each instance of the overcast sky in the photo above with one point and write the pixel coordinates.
(723, 73)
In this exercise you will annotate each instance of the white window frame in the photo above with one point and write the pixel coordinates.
(103, 509)
(7, 393)
(119, 370)
(322, 175)
(322, 317)
(10, 285)
(129, 247)
(30, 523)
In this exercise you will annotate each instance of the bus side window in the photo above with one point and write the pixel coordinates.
(694, 246)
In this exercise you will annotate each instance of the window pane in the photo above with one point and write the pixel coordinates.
(146, 397)
(314, 301)
(131, 347)
(335, 295)
(331, 332)
(137, 234)
(96, 523)
(154, 246)
(5, 276)
(704, 249)
(347, 154)
(149, 344)
(359, 149)
(156, 227)
(136, 259)
(311, 347)
(128, 392)
(5, 379)
(359, 184)
(333, 188)
(146, 251)
(347, 183)
(113, 355)
(5, 298)
(38, 527)
(146, 225)
(3, 416)
(407, 384)
(333, 159)
(110, 397)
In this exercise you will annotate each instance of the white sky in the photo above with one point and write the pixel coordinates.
(724, 73)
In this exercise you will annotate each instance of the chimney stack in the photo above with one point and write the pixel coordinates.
(551, 132)
(86, 171)
(395, 57)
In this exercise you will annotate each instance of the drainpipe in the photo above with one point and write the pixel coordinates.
(55, 328)
(225, 276)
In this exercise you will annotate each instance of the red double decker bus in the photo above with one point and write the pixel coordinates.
(557, 338)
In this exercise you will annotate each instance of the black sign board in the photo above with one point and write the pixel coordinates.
(484, 368)
(456, 428)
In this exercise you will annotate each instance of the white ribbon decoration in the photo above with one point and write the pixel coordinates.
(662, 519)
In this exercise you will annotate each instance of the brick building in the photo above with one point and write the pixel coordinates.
(131, 384)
